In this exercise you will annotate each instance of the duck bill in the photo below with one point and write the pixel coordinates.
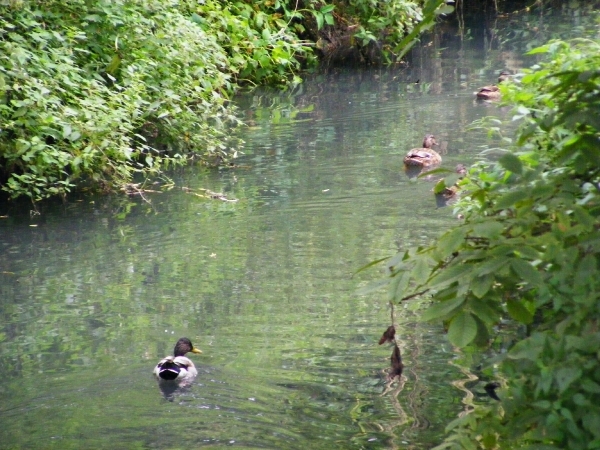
(196, 350)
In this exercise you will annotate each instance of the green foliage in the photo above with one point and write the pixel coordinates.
(528, 252)
(261, 38)
(83, 87)
(394, 25)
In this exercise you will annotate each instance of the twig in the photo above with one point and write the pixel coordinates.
(416, 294)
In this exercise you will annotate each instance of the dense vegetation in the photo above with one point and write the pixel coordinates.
(528, 253)
(92, 93)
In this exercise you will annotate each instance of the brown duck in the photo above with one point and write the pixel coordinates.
(492, 92)
(424, 156)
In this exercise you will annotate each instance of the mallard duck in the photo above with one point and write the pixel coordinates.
(425, 156)
(177, 368)
(492, 92)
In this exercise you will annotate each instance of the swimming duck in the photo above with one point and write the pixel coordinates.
(492, 92)
(446, 195)
(425, 156)
(177, 368)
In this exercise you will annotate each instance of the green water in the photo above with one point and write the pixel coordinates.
(94, 292)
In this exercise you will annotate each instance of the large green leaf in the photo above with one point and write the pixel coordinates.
(452, 240)
(399, 286)
(511, 162)
(488, 229)
(421, 270)
(518, 311)
(529, 348)
(481, 285)
(450, 275)
(510, 199)
(485, 309)
(442, 309)
(565, 376)
(483, 335)
(493, 265)
(462, 330)
(526, 271)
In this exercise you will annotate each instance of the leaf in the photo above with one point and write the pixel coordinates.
(529, 348)
(493, 265)
(372, 287)
(565, 376)
(442, 309)
(421, 271)
(319, 18)
(511, 198)
(488, 229)
(197, 19)
(543, 49)
(511, 162)
(481, 285)
(526, 271)
(518, 311)
(439, 187)
(398, 286)
(463, 329)
(366, 266)
(450, 275)
(583, 217)
(590, 386)
(444, 9)
(452, 240)
(114, 64)
(482, 339)
(486, 310)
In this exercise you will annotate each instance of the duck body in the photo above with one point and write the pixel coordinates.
(492, 92)
(424, 156)
(177, 368)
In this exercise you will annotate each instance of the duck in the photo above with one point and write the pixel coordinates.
(177, 368)
(492, 92)
(425, 156)
(445, 195)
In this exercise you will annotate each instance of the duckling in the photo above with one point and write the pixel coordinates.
(425, 156)
(445, 195)
(504, 75)
(492, 92)
(177, 368)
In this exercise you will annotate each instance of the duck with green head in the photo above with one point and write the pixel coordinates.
(177, 368)
(424, 156)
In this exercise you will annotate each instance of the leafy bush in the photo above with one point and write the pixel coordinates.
(528, 251)
(260, 38)
(84, 86)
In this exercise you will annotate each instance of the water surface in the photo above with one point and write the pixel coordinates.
(94, 292)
